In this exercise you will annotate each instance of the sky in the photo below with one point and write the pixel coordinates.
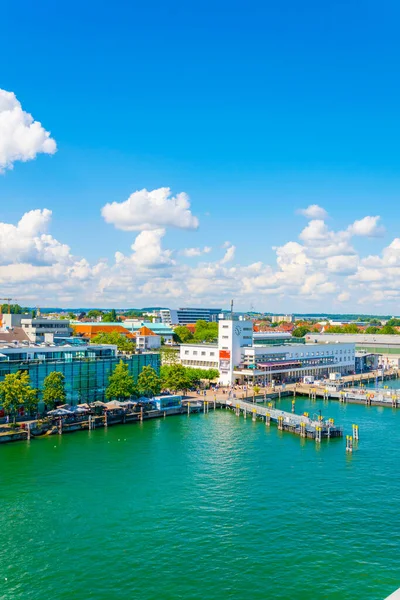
(186, 153)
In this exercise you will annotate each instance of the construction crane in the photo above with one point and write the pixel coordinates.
(8, 300)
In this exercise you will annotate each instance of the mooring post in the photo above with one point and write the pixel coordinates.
(105, 419)
(28, 428)
(280, 423)
(254, 414)
(188, 408)
(268, 420)
(60, 426)
(349, 443)
(355, 432)
(293, 406)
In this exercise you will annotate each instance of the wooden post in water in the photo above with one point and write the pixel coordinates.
(105, 419)
(141, 413)
(318, 433)
(254, 414)
(28, 428)
(268, 420)
(280, 423)
(188, 408)
(302, 430)
(355, 432)
(60, 426)
(293, 406)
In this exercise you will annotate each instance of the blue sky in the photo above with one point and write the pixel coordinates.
(253, 110)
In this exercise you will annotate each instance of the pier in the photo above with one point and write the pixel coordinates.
(367, 396)
(302, 425)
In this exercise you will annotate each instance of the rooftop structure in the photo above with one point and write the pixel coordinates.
(38, 329)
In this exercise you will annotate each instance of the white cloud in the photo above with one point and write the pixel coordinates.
(229, 255)
(148, 210)
(314, 211)
(367, 227)
(21, 137)
(147, 251)
(343, 297)
(190, 252)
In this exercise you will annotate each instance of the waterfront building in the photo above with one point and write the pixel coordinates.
(185, 316)
(385, 347)
(86, 367)
(239, 358)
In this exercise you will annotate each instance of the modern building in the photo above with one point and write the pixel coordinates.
(38, 329)
(282, 319)
(386, 347)
(240, 359)
(185, 316)
(86, 367)
(147, 340)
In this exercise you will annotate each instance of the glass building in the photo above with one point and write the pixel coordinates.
(86, 368)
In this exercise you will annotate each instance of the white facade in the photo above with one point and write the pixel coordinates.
(147, 342)
(239, 360)
(282, 319)
(38, 329)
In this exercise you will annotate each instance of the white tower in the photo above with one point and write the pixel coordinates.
(233, 335)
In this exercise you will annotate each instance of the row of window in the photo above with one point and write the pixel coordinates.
(203, 353)
(200, 363)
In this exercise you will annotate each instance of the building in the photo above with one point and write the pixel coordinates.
(282, 319)
(185, 316)
(147, 340)
(386, 347)
(128, 328)
(38, 329)
(239, 358)
(168, 403)
(86, 367)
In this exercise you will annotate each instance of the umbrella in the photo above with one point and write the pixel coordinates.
(79, 409)
(59, 412)
(98, 403)
(113, 404)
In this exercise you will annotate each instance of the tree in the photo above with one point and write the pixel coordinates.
(113, 337)
(72, 316)
(375, 322)
(388, 330)
(121, 384)
(175, 377)
(111, 317)
(169, 356)
(372, 330)
(301, 331)
(16, 392)
(149, 383)
(94, 313)
(393, 322)
(205, 331)
(183, 334)
(54, 389)
(208, 373)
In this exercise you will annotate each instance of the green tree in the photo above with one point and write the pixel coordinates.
(209, 373)
(375, 322)
(183, 334)
(94, 313)
(121, 384)
(111, 317)
(206, 332)
(175, 377)
(372, 330)
(149, 383)
(16, 392)
(54, 389)
(301, 331)
(169, 356)
(393, 322)
(123, 343)
(72, 316)
(388, 330)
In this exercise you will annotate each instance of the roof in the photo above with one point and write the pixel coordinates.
(145, 331)
(93, 329)
(14, 334)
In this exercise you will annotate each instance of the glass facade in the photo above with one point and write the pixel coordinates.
(86, 377)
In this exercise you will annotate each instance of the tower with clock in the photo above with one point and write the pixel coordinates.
(233, 335)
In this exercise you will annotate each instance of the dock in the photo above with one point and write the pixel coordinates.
(369, 397)
(302, 425)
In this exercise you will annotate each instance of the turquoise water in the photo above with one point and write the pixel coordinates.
(204, 507)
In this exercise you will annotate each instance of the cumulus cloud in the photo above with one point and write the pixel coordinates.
(21, 137)
(367, 227)
(27, 242)
(190, 252)
(313, 211)
(320, 266)
(148, 210)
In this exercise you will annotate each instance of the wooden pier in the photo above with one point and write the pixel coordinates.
(302, 425)
(367, 396)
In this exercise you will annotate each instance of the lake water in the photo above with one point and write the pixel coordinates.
(204, 507)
